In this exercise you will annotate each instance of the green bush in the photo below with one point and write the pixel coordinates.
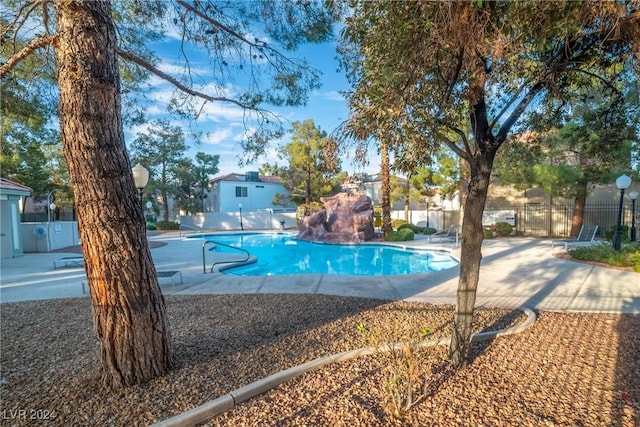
(167, 225)
(488, 233)
(417, 229)
(624, 232)
(428, 230)
(401, 235)
(397, 223)
(503, 229)
(627, 256)
(411, 227)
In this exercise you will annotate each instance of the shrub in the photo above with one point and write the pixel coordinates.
(627, 256)
(167, 225)
(414, 228)
(488, 233)
(624, 233)
(401, 235)
(404, 386)
(417, 229)
(396, 223)
(503, 229)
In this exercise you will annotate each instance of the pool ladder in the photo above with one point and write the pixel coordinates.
(204, 261)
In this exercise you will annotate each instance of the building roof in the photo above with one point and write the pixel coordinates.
(241, 177)
(10, 187)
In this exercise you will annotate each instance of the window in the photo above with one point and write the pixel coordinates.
(241, 191)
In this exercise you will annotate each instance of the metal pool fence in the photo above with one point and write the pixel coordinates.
(554, 219)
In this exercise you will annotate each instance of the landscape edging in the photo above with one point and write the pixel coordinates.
(224, 403)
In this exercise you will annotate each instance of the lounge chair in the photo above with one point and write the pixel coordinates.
(76, 261)
(448, 234)
(586, 237)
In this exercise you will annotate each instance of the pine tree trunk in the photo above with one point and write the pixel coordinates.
(407, 201)
(128, 306)
(470, 257)
(578, 208)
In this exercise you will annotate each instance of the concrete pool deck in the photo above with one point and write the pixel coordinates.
(514, 272)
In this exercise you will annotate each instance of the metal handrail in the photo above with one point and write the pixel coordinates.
(204, 262)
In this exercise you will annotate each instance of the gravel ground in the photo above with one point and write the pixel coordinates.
(568, 369)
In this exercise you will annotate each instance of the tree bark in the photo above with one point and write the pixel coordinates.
(579, 204)
(386, 188)
(128, 306)
(470, 257)
(407, 200)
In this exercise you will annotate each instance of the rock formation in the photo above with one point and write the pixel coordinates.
(346, 218)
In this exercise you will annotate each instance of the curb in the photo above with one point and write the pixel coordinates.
(224, 403)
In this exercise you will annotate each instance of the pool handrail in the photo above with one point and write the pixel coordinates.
(204, 262)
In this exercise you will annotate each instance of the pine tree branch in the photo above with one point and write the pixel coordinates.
(30, 47)
(149, 67)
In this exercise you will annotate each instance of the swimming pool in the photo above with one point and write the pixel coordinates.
(279, 254)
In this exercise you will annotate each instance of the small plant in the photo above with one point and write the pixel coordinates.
(503, 229)
(402, 235)
(488, 233)
(405, 384)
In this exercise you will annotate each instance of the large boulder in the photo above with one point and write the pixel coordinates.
(346, 218)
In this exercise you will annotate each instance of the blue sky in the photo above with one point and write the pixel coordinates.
(221, 124)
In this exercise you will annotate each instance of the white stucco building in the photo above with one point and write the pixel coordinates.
(252, 191)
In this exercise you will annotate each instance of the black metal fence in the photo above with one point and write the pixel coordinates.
(545, 220)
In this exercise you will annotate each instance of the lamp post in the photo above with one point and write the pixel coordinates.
(50, 205)
(623, 182)
(240, 208)
(633, 195)
(148, 213)
(140, 178)
(428, 199)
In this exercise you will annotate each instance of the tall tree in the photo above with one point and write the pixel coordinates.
(192, 181)
(160, 150)
(456, 65)
(186, 193)
(25, 129)
(589, 144)
(205, 166)
(128, 306)
(313, 163)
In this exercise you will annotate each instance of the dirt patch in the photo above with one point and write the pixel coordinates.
(558, 372)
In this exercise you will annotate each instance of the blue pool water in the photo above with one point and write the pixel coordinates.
(279, 253)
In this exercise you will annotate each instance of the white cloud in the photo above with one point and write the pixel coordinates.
(219, 136)
(221, 112)
(333, 95)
